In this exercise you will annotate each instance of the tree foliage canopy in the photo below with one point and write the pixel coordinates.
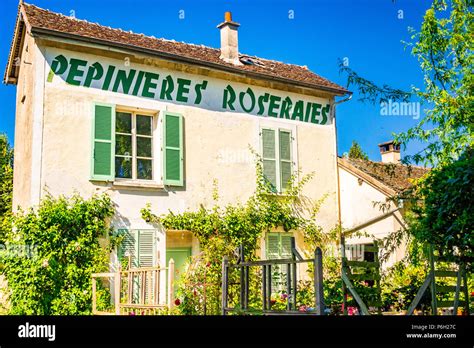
(446, 216)
(443, 47)
(356, 152)
(442, 200)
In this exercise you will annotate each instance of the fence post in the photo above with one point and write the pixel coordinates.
(117, 284)
(170, 284)
(94, 294)
(318, 281)
(344, 288)
(225, 280)
(243, 277)
(434, 302)
(294, 280)
(264, 286)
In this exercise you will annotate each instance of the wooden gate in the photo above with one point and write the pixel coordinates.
(454, 271)
(361, 279)
(267, 268)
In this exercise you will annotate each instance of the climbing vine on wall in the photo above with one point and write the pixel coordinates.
(245, 223)
(220, 230)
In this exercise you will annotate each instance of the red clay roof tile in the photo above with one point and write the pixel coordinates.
(57, 23)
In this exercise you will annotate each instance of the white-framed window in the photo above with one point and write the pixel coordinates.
(277, 156)
(130, 146)
(134, 145)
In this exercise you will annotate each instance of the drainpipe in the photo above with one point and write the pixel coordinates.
(333, 112)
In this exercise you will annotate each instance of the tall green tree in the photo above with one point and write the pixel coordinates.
(446, 217)
(443, 47)
(6, 179)
(442, 201)
(356, 151)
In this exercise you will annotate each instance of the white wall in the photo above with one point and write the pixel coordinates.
(357, 206)
(216, 147)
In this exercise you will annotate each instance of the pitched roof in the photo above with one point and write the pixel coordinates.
(44, 21)
(390, 178)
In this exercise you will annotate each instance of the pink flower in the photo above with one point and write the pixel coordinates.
(177, 302)
(302, 308)
(351, 310)
(131, 313)
(284, 296)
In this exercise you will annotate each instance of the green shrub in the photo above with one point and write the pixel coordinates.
(400, 285)
(56, 277)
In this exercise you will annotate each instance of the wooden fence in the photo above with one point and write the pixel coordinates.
(134, 291)
(268, 267)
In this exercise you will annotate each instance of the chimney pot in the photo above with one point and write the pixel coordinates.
(229, 40)
(390, 152)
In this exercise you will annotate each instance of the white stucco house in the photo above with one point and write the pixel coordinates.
(157, 121)
(365, 189)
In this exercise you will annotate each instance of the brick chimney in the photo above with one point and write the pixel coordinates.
(390, 152)
(229, 40)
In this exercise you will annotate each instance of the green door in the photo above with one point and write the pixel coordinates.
(181, 257)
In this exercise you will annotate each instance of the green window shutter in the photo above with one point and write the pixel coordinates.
(128, 247)
(285, 158)
(103, 138)
(140, 245)
(273, 246)
(269, 157)
(146, 248)
(285, 246)
(173, 154)
(278, 247)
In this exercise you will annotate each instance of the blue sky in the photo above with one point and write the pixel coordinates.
(366, 32)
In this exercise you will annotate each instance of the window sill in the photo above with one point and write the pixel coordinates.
(278, 194)
(136, 185)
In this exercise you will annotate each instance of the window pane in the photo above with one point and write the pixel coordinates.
(144, 169)
(123, 145)
(123, 122)
(123, 167)
(269, 173)
(285, 174)
(143, 147)
(268, 136)
(285, 145)
(144, 125)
